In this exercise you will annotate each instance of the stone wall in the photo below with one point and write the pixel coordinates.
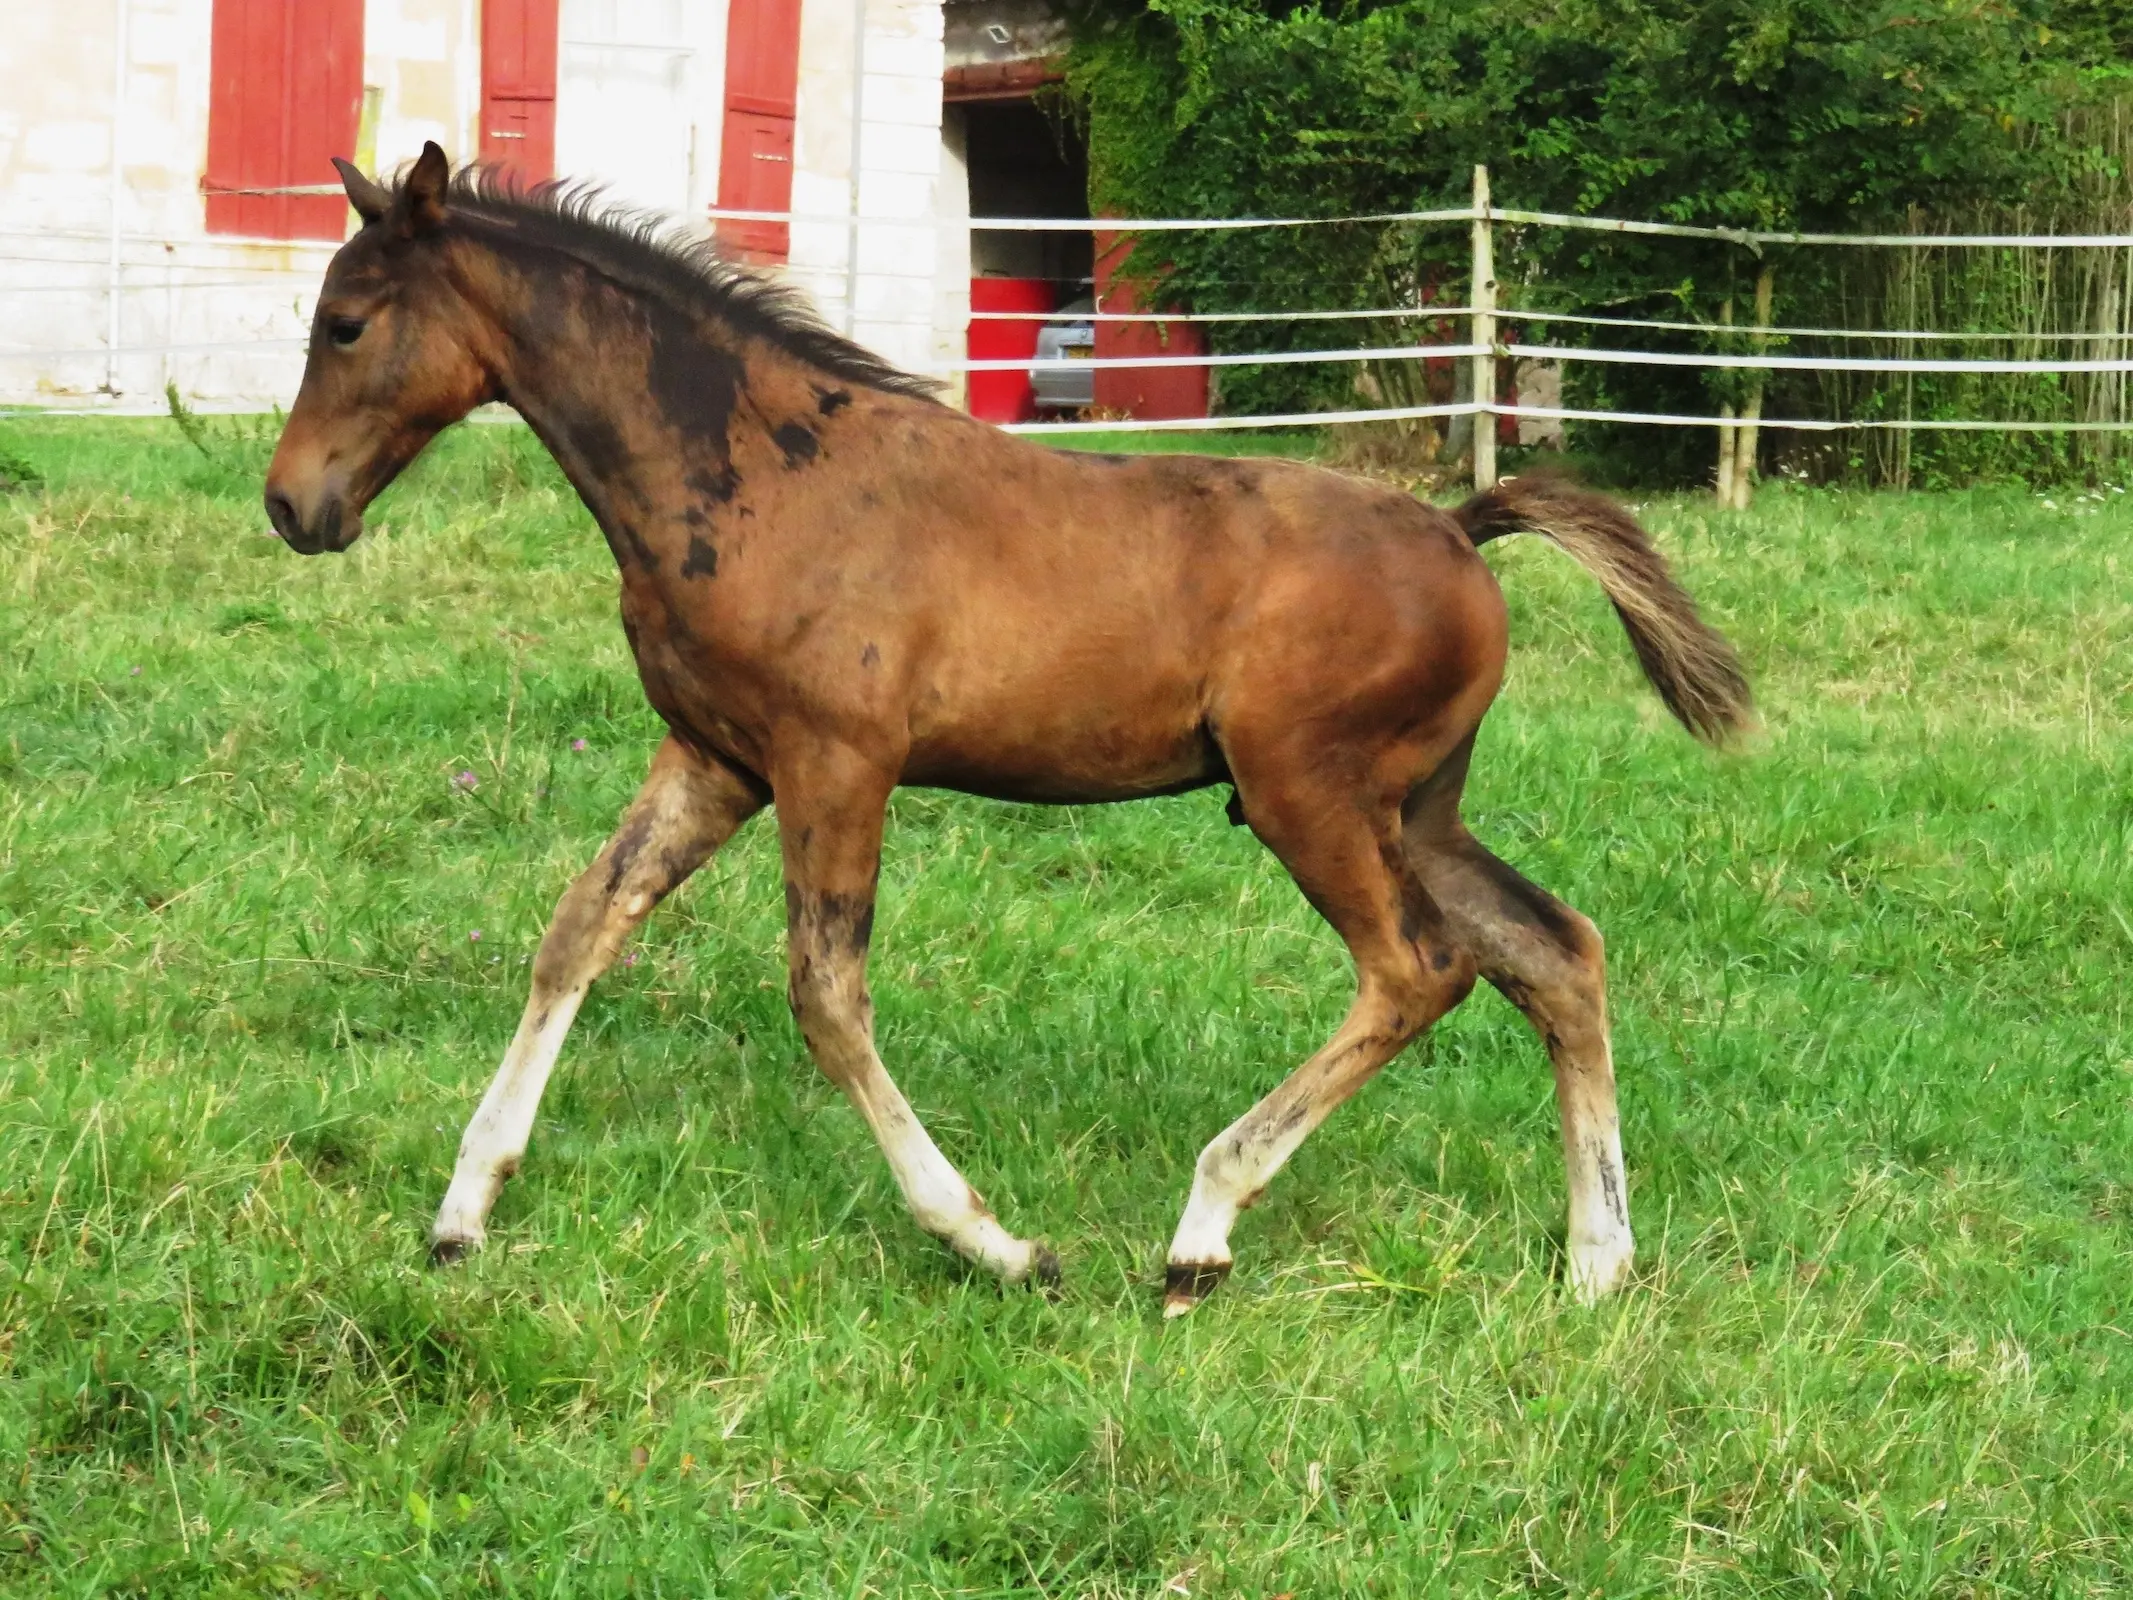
(179, 286)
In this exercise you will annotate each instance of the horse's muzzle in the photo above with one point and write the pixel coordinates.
(329, 527)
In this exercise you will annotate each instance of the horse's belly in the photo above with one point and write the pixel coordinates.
(1052, 755)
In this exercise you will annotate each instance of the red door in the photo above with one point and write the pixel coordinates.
(1006, 396)
(285, 88)
(518, 49)
(755, 146)
(1142, 391)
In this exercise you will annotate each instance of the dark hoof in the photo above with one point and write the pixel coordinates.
(1187, 1283)
(1044, 1271)
(449, 1252)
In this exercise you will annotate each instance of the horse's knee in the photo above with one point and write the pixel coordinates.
(828, 1001)
(1579, 987)
(569, 952)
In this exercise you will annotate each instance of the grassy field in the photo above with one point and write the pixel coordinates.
(261, 944)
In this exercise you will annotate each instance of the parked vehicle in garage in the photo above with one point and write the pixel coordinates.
(1066, 389)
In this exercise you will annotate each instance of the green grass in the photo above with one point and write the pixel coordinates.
(1869, 987)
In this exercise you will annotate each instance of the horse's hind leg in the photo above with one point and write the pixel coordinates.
(1548, 961)
(688, 807)
(1345, 855)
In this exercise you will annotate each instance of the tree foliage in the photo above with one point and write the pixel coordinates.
(1837, 115)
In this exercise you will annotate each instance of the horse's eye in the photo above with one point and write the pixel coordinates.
(344, 331)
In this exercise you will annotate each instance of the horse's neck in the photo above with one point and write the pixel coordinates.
(578, 370)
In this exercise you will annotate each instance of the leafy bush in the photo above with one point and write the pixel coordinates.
(17, 470)
(1820, 115)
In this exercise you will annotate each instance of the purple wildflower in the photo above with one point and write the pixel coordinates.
(577, 744)
(465, 780)
(630, 960)
(474, 936)
(136, 672)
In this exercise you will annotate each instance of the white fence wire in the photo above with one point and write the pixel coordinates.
(1485, 347)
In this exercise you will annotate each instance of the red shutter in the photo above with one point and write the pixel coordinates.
(285, 90)
(755, 147)
(518, 51)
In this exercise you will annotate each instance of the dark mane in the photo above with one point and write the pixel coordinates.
(647, 251)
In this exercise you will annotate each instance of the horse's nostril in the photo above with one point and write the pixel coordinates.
(281, 511)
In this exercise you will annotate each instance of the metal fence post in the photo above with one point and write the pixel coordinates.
(1484, 304)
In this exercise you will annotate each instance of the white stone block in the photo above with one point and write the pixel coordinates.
(417, 39)
(155, 38)
(914, 101)
(73, 145)
(901, 148)
(883, 298)
(905, 57)
(906, 195)
(898, 250)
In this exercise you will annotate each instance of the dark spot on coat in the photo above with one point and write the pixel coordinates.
(830, 401)
(702, 561)
(1418, 912)
(592, 444)
(870, 656)
(1516, 990)
(627, 843)
(1528, 902)
(797, 442)
(596, 457)
(628, 544)
(720, 486)
(1610, 1182)
(816, 921)
(693, 382)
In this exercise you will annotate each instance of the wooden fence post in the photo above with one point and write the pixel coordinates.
(1484, 304)
(1728, 441)
(1752, 411)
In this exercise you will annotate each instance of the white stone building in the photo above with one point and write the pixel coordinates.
(148, 150)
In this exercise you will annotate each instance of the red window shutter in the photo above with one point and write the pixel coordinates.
(518, 56)
(755, 147)
(285, 88)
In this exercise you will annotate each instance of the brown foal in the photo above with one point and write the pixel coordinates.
(834, 585)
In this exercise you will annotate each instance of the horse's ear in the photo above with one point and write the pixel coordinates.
(420, 207)
(369, 199)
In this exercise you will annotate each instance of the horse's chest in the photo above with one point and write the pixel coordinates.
(680, 674)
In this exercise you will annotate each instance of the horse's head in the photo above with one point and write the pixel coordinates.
(394, 361)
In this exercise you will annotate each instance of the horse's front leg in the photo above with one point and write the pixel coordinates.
(688, 807)
(830, 809)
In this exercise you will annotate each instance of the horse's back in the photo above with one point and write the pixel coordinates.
(1103, 620)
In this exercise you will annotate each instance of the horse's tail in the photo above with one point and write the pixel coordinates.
(1687, 660)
